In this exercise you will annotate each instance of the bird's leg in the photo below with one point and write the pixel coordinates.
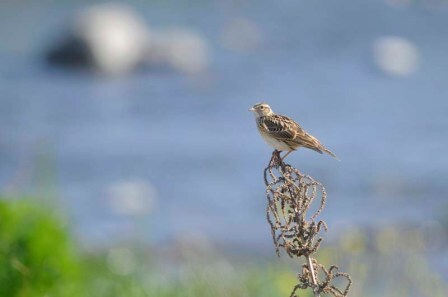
(284, 156)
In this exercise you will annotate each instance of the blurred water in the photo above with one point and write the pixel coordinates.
(193, 140)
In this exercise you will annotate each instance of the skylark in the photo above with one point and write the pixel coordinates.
(283, 133)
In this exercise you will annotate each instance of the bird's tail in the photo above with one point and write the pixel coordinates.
(330, 153)
(322, 149)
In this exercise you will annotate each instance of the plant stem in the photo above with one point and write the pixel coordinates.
(313, 276)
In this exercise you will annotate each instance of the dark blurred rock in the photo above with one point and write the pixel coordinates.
(71, 52)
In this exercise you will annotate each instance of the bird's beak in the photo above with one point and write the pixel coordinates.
(251, 109)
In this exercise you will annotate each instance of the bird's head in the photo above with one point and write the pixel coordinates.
(261, 110)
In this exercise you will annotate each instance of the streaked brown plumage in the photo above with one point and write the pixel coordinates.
(283, 133)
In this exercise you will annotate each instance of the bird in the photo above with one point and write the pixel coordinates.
(283, 133)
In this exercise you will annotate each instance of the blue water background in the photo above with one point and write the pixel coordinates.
(192, 138)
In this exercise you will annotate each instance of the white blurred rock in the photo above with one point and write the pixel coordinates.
(180, 49)
(117, 37)
(395, 56)
(132, 197)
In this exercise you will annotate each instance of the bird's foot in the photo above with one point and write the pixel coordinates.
(276, 159)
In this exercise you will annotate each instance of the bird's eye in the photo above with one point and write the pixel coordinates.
(261, 107)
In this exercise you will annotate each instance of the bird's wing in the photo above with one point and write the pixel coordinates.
(286, 129)
(280, 127)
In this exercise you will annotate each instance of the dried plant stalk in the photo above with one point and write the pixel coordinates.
(290, 195)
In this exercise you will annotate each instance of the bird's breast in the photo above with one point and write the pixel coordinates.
(275, 143)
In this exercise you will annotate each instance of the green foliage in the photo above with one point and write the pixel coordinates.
(36, 256)
(37, 259)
